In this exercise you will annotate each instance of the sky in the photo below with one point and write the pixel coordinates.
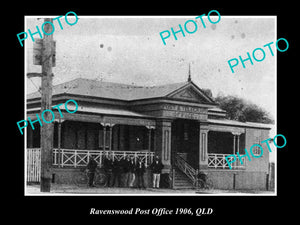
(130, 50)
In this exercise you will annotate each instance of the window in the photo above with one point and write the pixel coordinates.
(256, 150)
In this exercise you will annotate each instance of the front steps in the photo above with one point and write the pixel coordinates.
(181, 181)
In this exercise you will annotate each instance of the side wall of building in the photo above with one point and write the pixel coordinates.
(256, 136)
(238, 180)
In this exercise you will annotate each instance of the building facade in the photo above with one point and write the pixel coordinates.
(178, 122)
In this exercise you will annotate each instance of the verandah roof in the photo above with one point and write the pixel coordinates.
(105, 115)
(235, 123)
(104, 111)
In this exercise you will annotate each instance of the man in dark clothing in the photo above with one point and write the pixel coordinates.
(132, 167)
(91, 169)
(117, 170)
(140, 170)
(126, 171)
(108, 168)
(156, 168)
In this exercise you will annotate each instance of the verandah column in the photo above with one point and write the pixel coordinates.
(203, 140)
(163, 142)
(104, 137)
(236, 145)
(149, 141)
(59, 141)
(149, 136)
(104, 125)
(236, 142)
(110, 135)
(59, 136)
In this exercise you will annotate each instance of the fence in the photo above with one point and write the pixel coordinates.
(33, 165)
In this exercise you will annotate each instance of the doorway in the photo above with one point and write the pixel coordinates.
(185, 141)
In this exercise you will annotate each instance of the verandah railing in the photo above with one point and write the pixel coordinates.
(79, 158)
(186, 168)
(73, 158)
(218, 161)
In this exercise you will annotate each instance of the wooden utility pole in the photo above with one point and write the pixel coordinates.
(46, 102)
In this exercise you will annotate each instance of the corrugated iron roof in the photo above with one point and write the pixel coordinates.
(238, 123)
(111, 90)
(99, 110)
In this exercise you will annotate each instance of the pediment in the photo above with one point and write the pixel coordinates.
(191, 93)
(187, 94)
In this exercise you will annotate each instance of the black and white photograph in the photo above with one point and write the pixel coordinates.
(151, 105)
(184, 112)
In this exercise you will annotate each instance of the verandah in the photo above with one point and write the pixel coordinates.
(75, 142)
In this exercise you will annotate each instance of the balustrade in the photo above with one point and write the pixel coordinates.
(218, 161)
(79, 158)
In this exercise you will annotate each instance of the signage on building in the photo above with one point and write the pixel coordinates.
(184, 112)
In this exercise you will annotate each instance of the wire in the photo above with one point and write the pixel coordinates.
(38, 88)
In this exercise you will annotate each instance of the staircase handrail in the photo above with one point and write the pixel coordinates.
(186, 168)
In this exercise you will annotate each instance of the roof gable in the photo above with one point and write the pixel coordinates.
(191, 92)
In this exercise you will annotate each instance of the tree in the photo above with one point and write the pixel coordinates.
(241, 110)
(207, 92)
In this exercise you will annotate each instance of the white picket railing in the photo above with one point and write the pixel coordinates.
(218, 161)
(78, 158)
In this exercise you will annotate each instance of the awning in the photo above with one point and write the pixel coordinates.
(226, 125)
(107, 116)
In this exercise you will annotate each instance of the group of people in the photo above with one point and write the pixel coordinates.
(125, 172)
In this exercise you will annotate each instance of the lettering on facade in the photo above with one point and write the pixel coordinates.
(185, 112)
(191, 116)
(131, 121)
(183, 108)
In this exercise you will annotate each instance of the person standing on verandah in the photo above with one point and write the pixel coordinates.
(108, 168)
(91, 169)
(132, 168)
(140, 170)
(156, 168)
(117, 170)
(126, 171)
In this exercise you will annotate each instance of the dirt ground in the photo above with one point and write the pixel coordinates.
(64, 189)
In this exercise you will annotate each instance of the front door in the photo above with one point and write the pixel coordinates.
(185, 140)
